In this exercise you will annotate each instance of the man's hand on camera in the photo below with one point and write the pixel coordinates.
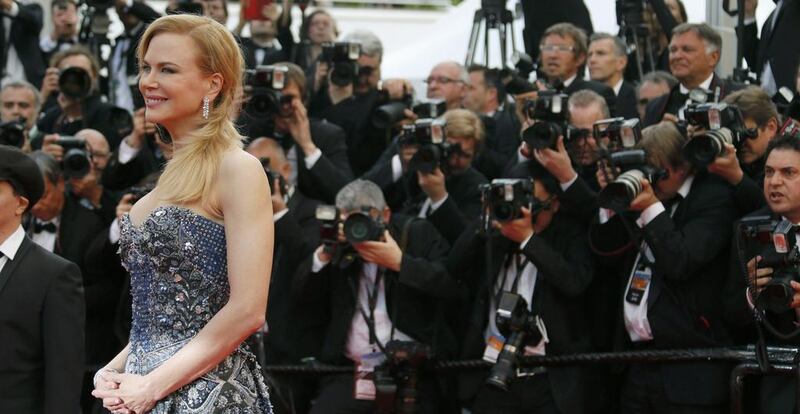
(646, 198)
(323, 254)
(278, 202)
(52, 149)
(433, 184)
(406, 153)
(49, 83)
(320, 75)
(557, 162)
(517, 230)
(88, 187)
(124, 206)
(604, 173)
(397, 88)
(758, 277)
(383, 253)
(727, 166)
(300, 128)
(136, 138)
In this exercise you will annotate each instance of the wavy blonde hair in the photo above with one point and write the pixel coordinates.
(188, 177)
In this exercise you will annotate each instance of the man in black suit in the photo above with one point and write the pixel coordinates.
(772, 57)
(563, 54)
(486, 96)
(123, 67)
(41, 304)
(64, 32)
(607, 62)
(394, 287)
(264, 46)
(21, 58)
(670, 277)
(695, 50)
(544, 257)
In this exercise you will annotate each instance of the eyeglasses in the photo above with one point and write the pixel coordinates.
(556, 48)
(441, 79)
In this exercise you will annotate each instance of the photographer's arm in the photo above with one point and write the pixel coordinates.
(571, 276)
(30, 15)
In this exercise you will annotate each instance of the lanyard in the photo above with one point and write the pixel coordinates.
(521, 263)
(372, 302)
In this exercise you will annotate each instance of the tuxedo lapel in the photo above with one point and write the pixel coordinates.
(11, 265)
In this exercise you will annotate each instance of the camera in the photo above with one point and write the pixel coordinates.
(75, 83)
(359, 226)
(434, 150)
(617, 133)
(723, 124)
(397, 377)
(630, 13)
(12, 133)
(618, 194)
(781, 253)
(76, 162)
(504, 198)
(513, 79)
(266, 84)
(519, 325)
(433, 108)
(550, 111)
(272, 176)
(342, 58)
(390, 112)
(328, 217)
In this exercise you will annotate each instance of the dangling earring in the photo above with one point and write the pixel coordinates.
(205, 107)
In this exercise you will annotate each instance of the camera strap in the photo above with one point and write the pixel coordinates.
(521, 262)
(372, 301)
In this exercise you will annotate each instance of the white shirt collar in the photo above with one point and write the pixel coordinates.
(686, 187)
(706, 85)
(618, 86)
(570, 80)
(10, 247)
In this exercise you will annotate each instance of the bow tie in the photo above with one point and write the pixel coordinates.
(39, 227)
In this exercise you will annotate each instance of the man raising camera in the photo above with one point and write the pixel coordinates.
(386, 285)
(19, 108)
(540, 258)
(670, 243)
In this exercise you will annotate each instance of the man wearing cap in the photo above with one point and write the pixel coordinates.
(41, 305)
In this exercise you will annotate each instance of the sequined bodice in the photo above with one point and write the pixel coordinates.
(178, 265)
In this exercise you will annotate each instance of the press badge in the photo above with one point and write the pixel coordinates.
(638, 286)
(493, 347)
(363, 385)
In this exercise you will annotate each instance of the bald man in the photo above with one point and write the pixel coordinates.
(295, 328)
(447, 81)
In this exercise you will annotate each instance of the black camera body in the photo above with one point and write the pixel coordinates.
(397, 377)
(617, 195)
(723, 124)
(76, 162)
(75, 83)
(430, 109)
(328, 217)
(617, 134)
(781, 252)
(272, 176)
(504, 198)
(342, 60)
(434, 150)
(518, 325)
(359, 226)
(550, 111)
(390, 112)
(266, 84)
(12, 133)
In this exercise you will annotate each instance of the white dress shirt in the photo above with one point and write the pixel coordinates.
(10, 246)
(47, 239)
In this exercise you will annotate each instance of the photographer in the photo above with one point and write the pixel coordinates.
(486, 96)
(64, 15)
(270, 38)
(671, 264)
(563, 53)
(773, 60)
(744, 291)
(447, 81)
(19, 107)
(653, 85)
(694, 52)
(21, 59)
(743, 168)
(123, 67)
(392, 287)
(607, 62)
(136, 156)
(542, 256)
(80, 106)
(317, 28)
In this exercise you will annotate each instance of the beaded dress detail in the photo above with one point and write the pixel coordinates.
(177, 260)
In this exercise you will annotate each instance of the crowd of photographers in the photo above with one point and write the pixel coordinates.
(650, 205)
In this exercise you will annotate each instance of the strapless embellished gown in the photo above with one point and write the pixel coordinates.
(177, 260)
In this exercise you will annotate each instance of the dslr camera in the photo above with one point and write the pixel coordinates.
(617, 134)
(434, 150)
(780, 252)
(342, 60)
(722, 124)
(12, 133)
(359, 226)
(76, 162)
(550, 111)
(75, 83)
(397, 377)
(504, 198)
(272, 176)
(521, 327)
(617, 195)
(390, 112)
(265, 84)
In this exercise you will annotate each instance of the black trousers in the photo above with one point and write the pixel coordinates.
(643, 393)
(336, 397)
(526, 395)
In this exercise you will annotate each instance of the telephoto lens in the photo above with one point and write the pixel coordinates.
(778, 293)
(542, 135)
(360, 227)
(618, 195)
(703, 149)
(76, 162)
(75, 83)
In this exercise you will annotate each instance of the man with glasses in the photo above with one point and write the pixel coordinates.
(448, 81)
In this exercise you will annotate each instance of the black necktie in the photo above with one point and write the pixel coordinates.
(39, 227)
(672, 202)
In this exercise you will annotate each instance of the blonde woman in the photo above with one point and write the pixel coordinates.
(199, 246)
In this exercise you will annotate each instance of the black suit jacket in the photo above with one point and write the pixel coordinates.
(501, 143)
(671, 102)
(684, 307)
(41, 323)
(626, 101)
(272, 55)
(783, 56)
(561, 255)
(332, 171)
(96, 115)
(416, 297)
(24, 35)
